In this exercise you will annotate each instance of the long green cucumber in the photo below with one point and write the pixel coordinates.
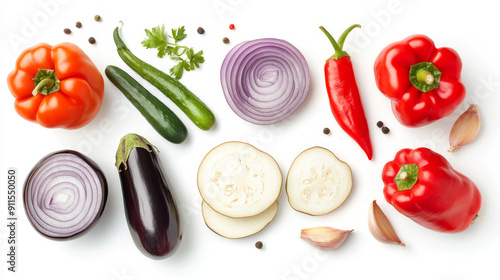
(189, 103)
(161, 118)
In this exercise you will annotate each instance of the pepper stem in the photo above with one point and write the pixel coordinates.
(339, 53)
(406, 177)
(46, 82)
(425, 76)
(345, 33)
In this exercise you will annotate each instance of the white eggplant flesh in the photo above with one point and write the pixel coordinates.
(238, 180)
(318, 182)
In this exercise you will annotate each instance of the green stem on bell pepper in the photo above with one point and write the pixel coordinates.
(46, 82)
(406, 177)
(425, 76)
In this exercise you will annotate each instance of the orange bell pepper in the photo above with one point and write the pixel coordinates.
(56, 86)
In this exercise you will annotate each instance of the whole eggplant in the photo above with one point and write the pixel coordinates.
(150, 205)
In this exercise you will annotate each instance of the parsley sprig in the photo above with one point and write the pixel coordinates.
(185, 57)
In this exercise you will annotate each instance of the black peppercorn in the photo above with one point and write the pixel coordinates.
(200, 30)
(380, 124)
(92, 40)
(78, 24)
(67, 31)
(259, 245)
(225, 40)
(326, 130)
(385, 130)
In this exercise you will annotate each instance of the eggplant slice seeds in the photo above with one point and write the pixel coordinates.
(238, 180)
(318, 182)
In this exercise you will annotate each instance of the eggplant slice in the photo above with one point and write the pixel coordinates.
(238, 180)
(318, 182)
(237, 227)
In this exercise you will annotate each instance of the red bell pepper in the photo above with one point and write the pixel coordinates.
(56, 86)
(423, 82)
(422, 185)
(343, 94)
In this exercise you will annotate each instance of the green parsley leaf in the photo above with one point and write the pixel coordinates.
(162, 50)
(179, 34)
(177, 58)
(169, 50)
(187, 59)
(176, 51)
(198, 59)
(190, 53)
(155, 38)
(177, 70)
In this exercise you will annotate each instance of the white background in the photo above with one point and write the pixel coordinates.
(107, 251)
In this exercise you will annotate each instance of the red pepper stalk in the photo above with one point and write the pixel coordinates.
(343, 93)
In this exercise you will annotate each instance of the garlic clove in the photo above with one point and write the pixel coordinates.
(465, 129)
(381, 227)
(325, 238)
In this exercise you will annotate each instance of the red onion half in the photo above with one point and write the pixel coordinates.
(65, 194)
(265, 80)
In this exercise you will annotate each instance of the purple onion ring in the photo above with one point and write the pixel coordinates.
(64, 195)
(265, 80)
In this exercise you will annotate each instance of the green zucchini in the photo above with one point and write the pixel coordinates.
(188, 102)
(161, 118)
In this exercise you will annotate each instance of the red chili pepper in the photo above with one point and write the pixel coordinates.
(422, 82)
(422, 185)
(343, 93)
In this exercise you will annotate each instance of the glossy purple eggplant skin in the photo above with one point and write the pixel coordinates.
(150, 206)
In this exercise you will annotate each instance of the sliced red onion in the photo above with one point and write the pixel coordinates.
(265, 80)
(65, 194)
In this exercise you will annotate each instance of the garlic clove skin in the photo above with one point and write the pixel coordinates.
(324, 238)
(465, 129)
(380, 227)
